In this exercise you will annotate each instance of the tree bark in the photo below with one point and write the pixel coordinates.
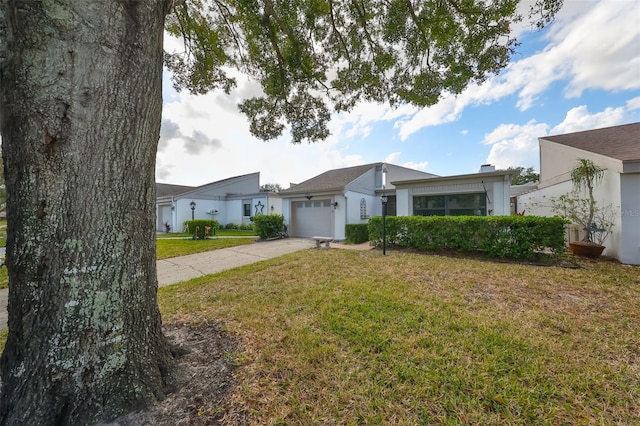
(81, 108)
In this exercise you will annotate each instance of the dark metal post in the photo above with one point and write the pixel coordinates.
(384, 224)
(193, 209)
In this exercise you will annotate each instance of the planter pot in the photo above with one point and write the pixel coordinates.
(586, 249)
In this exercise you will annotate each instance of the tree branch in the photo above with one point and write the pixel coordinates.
(363, 22)
(425, 39)
(338, 35)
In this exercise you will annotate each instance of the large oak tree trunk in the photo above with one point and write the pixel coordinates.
(81, 109)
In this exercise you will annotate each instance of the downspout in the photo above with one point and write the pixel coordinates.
(174, 214)
(486, 193)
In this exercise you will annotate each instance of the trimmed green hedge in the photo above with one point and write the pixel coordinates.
(356, 233)
(268, 225)
(242, 227)
(199, 224)
(516, 237)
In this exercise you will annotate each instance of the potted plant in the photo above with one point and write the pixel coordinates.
(595, 220)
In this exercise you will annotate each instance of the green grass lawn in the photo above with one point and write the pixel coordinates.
(219, 233)
(347, 337)
(166, 248)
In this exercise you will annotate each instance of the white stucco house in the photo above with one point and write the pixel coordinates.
(232, 200)
(478, 194)
(617, 150)
(324, 204)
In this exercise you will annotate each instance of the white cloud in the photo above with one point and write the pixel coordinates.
(601, 48)
(633, 104)
(194, 144)
(358, 122)
(393, 158)
(592, 45)
(448, 109)
(515, 145)
(204, 139)
(509, 131)
(417, 166)
(579, 118)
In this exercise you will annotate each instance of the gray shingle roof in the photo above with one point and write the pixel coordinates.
(165, 189)
(619, 142)
(332, 180)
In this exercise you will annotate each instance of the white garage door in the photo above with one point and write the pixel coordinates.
(311, 218)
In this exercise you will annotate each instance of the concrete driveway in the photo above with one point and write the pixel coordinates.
(183, 268)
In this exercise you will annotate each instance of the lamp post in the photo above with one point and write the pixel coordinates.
(384, 224)
(193, 209)
(384, 200)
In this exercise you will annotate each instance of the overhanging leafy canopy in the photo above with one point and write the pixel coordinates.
(311, 56)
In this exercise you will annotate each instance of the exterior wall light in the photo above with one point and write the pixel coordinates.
(193, 209)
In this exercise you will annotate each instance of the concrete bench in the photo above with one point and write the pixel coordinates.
(323, 240)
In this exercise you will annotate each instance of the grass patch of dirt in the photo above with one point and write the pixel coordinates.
(206, 375)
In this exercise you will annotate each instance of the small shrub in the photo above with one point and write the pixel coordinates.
(246, 226)
(231, 225)
(199, 226)
(357, 233)
(268, 225)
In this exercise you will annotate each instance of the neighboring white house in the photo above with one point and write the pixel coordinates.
(478, 194)
(617, 150)
(232, 200)
(324, 204)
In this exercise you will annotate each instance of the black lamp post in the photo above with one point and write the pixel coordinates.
(384, 224)
(384, 200)
(193, 209)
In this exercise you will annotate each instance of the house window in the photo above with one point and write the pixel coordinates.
(450, 205)
(363, 209)
(246, 208)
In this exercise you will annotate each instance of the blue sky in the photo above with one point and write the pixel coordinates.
(581, 72)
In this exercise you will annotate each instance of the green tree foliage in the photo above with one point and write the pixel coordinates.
(523, 175)
(311, 56)
(271, 187)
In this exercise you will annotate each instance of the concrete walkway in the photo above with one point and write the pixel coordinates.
(183, 268)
